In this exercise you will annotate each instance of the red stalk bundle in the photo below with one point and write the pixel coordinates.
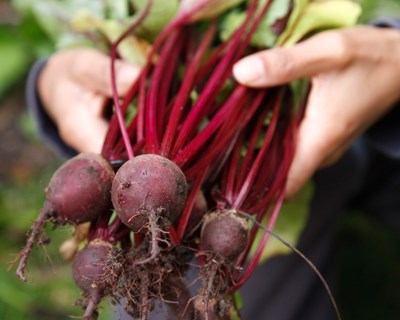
(170, 124)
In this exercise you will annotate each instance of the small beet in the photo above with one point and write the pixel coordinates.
(79, 191)
(91, 273)
(224, 234)
(149, 185)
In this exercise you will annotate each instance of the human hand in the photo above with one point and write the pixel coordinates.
(74, 87)
(355, 75)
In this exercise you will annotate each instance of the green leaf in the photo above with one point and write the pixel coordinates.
(231, 23)
(117, 9)
(131, 48)
(316, 16)
(277, 10)
(15, 63)
(206, 9)
(161, 13)
(298, 9)
(263, 37)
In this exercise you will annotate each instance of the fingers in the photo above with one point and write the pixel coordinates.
(309, 154)
(83, 128)
(93, 69)
(276, 66)
(321, 141)
(90, 136)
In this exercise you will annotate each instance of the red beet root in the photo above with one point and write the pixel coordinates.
(224, 234)
(91, 273)
(149, 185)
(79, 191)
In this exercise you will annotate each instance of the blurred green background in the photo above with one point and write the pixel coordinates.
(366, 290)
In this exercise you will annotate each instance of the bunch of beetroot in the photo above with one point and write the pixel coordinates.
(173, 190)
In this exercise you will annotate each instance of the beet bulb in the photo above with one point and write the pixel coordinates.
(79, 191)
(224, 234)
(149, 185)
(92, 274)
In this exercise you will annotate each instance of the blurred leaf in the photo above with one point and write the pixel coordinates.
(131, 48)
(264, 37)
(14, 63)
(206, 9)
(320, 15)
(373, 9)
(161, 13)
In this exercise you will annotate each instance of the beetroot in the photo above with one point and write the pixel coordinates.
(79, 191)
(92, 273)
(149, 185)
(224, 234)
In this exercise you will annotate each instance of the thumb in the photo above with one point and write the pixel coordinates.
(94, 71)
(320, 53)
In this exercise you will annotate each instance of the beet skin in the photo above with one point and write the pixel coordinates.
(149, 185)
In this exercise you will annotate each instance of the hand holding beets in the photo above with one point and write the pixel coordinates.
(354, 75)
(74, 88)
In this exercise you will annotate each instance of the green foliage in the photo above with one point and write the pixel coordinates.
(20, 45)
(373, 9)
(160, 14)
(264, 37)
(312, 16)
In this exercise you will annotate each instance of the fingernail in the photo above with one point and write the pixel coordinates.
(249, 70)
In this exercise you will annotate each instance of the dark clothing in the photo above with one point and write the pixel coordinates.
(366, 178)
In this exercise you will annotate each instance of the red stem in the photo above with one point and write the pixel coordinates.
(183, 221)
(184, 91)
(115, 94)
(257, 256)
(260, 157)
(213, 87)
(156, 99)
(236, 99)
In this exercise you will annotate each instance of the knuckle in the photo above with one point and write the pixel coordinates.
(342, 44)
(282, 62)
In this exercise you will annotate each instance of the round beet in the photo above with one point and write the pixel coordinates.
(225, 234)
(149, 185)
(91, 273)
(80, 190)
(89, 268)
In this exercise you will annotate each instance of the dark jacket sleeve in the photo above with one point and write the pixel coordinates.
(46, 128)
